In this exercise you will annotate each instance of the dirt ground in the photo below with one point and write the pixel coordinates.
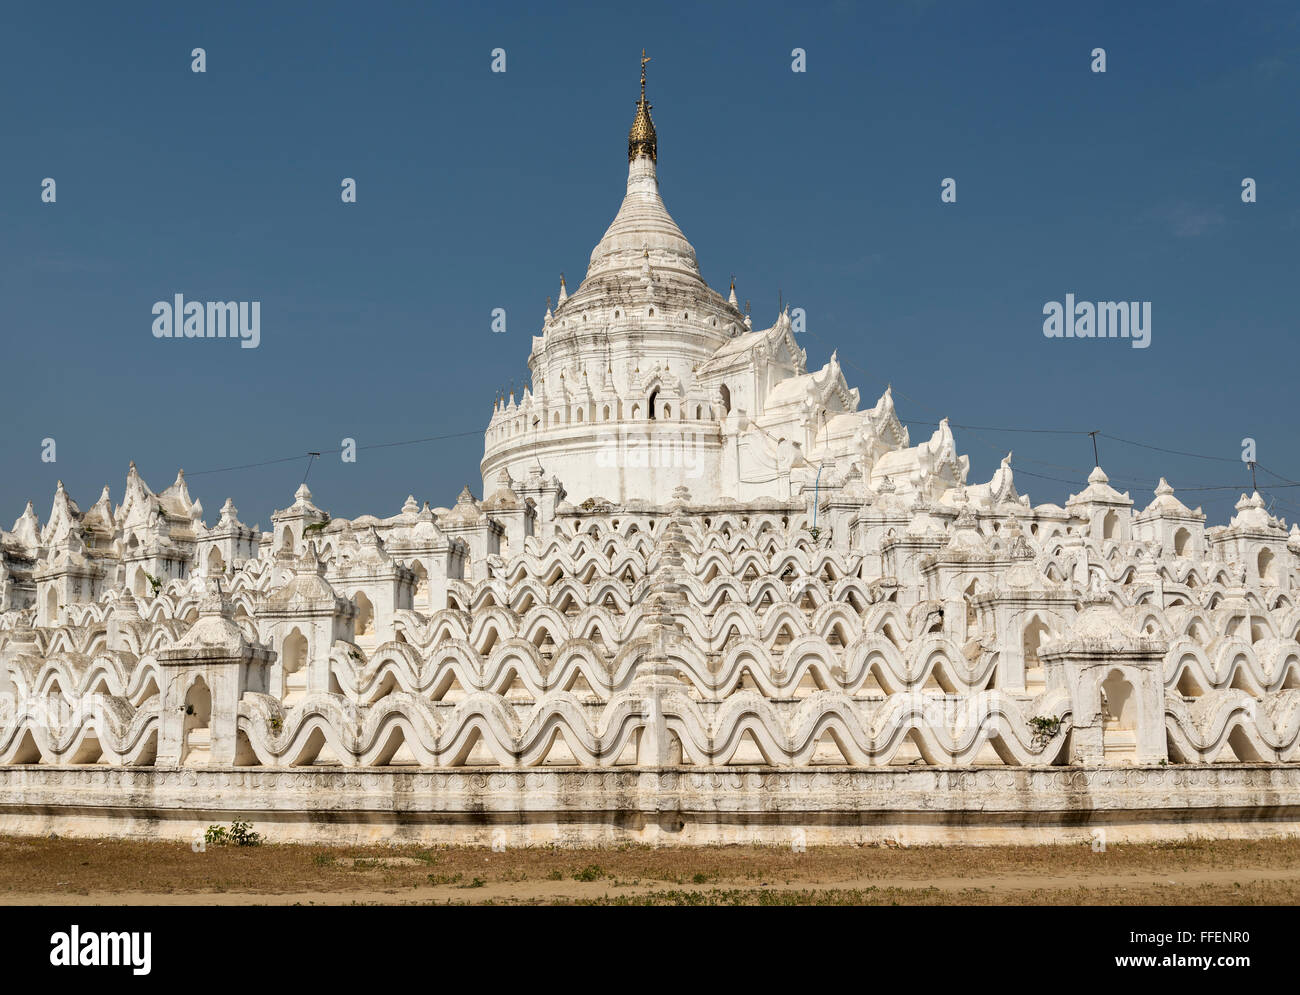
(94, 872)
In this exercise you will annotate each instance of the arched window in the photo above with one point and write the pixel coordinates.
(668, 410)
(726, 399)
(606, 416)
(650, 405)
(1180, 542)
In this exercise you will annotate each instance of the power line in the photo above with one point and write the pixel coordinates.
(1123, 481)
(1175, 452)
(312, 455)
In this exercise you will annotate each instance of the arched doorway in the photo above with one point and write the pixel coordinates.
(972, 617)
(1035, 676)
(196, 744)
(1181, 538)
(422, 589)
(1265, 565)
(294, 667)
(1119, 719)
(1110, 526)
(365, 624)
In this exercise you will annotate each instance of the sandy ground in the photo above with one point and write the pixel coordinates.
(135, 872)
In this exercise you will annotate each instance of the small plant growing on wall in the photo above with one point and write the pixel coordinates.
(1044, 728)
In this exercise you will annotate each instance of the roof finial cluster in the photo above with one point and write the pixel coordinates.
(641, 140)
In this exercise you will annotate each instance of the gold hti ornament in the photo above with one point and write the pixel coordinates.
(641, 139)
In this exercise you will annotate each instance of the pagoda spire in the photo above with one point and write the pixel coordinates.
(641, 140)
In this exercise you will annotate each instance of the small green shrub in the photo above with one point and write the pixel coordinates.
(239, 834)
(216, 836)
(1044, 728)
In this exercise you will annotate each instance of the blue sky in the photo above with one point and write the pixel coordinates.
(475, 190)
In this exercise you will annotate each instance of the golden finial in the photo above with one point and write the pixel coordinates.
(641, 140)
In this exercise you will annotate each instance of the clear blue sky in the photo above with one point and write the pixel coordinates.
(476, 189)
